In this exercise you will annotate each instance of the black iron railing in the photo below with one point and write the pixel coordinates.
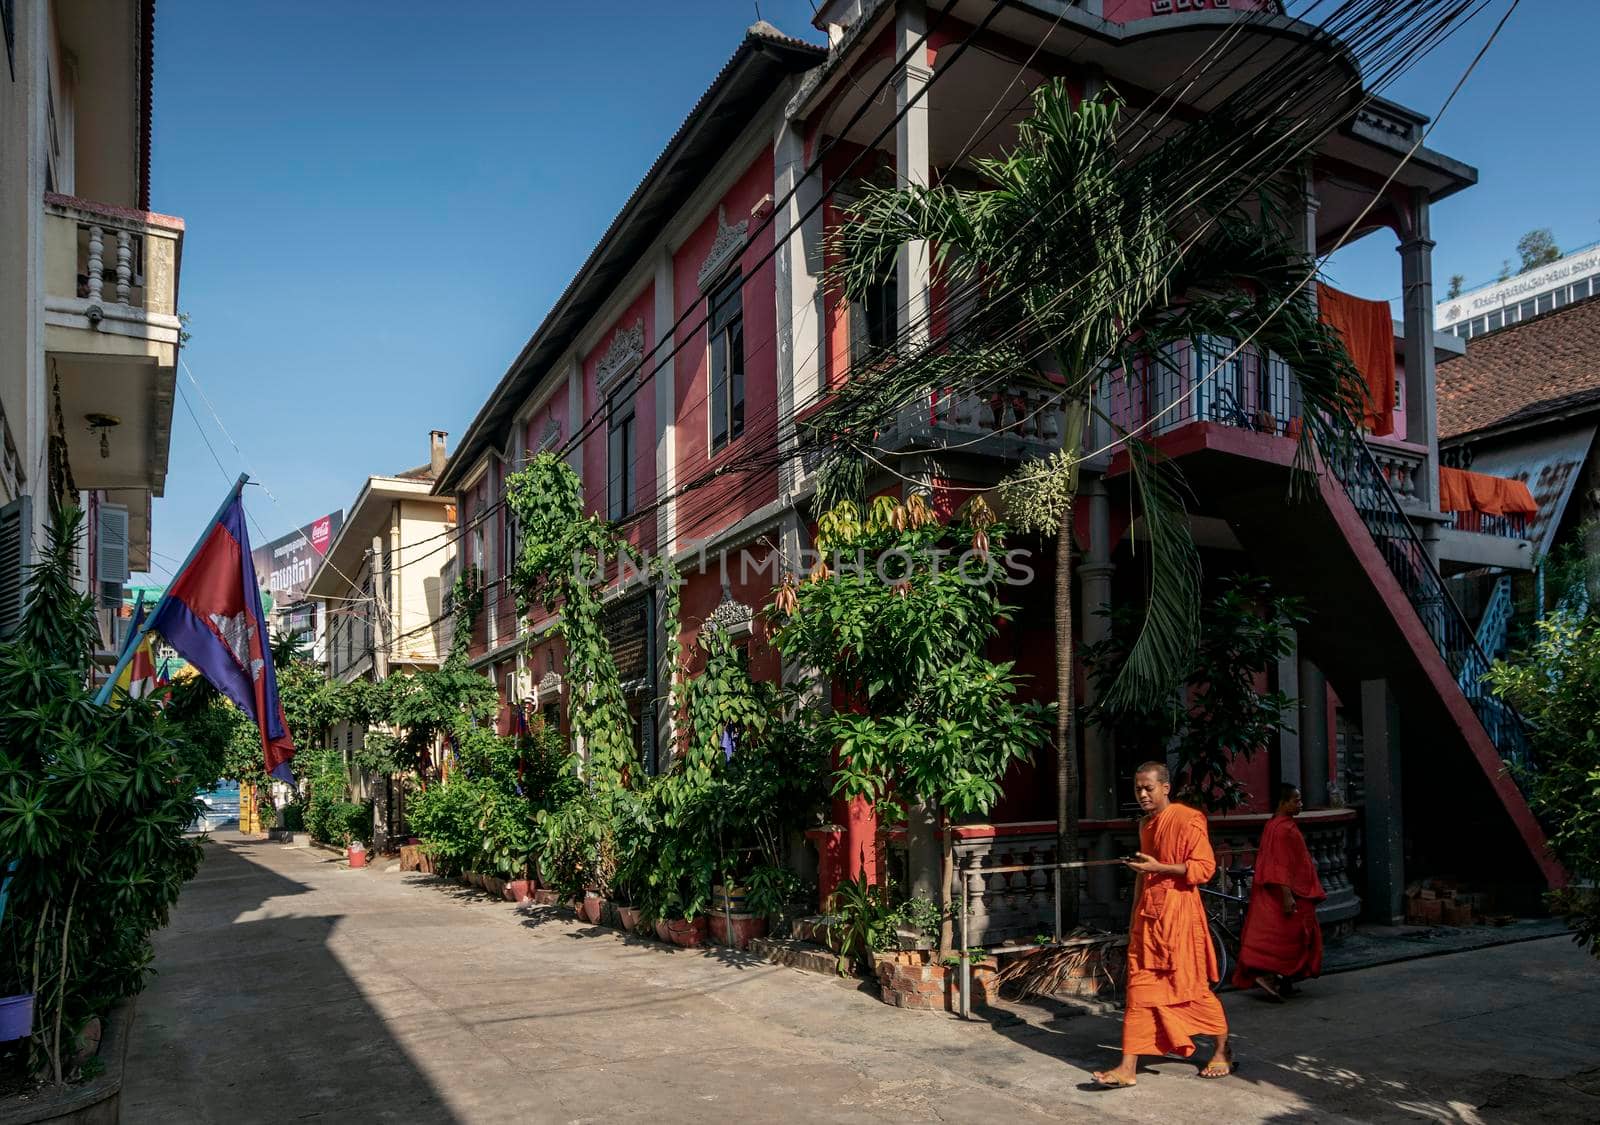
(1512, 525)
(1408, 561)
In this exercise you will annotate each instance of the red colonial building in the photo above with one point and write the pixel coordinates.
(698, 331)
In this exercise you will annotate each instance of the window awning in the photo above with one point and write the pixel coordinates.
(1550, 466)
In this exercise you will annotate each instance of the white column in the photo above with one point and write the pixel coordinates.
(798, 265)
(911, 162)
(666, 405)
(1416, 274)
(124, 265)
(96, 267)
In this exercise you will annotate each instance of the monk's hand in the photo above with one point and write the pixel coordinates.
(1288, 902)
(1143, 864)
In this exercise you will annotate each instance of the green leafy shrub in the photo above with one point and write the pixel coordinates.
(1214, 716)
(94, 803)
(1556, 687)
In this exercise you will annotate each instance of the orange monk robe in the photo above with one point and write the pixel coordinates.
(1290, 946)
(1170, 960)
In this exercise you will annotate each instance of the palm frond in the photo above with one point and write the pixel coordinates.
(1170, 628)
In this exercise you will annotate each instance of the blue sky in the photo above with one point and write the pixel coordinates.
(384, 199)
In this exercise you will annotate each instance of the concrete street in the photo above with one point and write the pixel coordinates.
(293, 989)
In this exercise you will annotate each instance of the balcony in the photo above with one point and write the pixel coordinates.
(1011, 424)
(112, 337)
(1258, 392)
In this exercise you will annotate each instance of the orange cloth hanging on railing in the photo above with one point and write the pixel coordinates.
(1463, 491)
(1368, 332)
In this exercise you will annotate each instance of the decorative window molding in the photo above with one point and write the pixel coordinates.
(549, 688)
(727, 246)
(626, 350)
(732, 617)
(551, 437)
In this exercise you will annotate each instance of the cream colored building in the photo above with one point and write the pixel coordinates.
(381, 584)
(89, 329)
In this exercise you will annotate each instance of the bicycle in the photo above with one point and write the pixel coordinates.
(1220, 906)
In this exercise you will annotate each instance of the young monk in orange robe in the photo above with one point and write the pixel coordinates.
(1171, 963)
(1282, 941)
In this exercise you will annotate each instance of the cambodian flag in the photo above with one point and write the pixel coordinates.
(211, 615)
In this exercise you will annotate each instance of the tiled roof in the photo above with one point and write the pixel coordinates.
(421, 472)
(1545, 366)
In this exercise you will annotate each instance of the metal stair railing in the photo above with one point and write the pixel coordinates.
(1494, 626)
(1402, 549)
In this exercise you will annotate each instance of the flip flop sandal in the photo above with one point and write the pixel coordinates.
(1113, 1084)
(1207, 1073)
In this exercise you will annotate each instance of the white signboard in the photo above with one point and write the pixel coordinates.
(1477, 302)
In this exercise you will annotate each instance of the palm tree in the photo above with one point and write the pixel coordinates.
(1082, 267)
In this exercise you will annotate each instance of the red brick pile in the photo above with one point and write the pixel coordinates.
(915, 979)
(1443, 902)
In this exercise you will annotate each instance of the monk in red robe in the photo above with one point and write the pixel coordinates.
(1282, 941)
(1171, 963)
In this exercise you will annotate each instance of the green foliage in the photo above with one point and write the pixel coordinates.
(466, 598)
(864, 923)
(723, 811)
(1109, 271)
(1556, 686)
(1215, 716)
(330, 815)
(1537, 248)
(928, 718)
(562, 563)
(922, 915)
(94, 802)
(485, 816)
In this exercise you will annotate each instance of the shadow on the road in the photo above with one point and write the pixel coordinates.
(1337, 1078)
(252, 1015)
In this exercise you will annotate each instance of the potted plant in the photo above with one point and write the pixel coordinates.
(593, 905)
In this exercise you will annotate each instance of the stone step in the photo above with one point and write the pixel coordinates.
(796, 955)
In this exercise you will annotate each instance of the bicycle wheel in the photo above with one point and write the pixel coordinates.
(1219, 942)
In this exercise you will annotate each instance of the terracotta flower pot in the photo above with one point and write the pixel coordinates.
(744, 928)
(629, 917)
(688, 933)
(662, 933)
(593, 907)
(519, 890)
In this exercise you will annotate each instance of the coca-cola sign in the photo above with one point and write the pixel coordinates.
(285, 565)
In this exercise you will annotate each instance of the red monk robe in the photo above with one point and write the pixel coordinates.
(1171, 963)
(1275, 943)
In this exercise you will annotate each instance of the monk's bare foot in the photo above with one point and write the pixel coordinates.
(1116, 1079)
(1271, 986)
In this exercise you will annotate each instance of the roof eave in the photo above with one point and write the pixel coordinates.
(792, 55)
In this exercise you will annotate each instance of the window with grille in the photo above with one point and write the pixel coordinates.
(621, 450)
(727, 362)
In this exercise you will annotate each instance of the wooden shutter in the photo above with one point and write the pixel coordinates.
(111, 544)
(16, 554)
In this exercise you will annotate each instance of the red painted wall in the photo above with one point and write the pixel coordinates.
(641, 532)
(724, 500)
